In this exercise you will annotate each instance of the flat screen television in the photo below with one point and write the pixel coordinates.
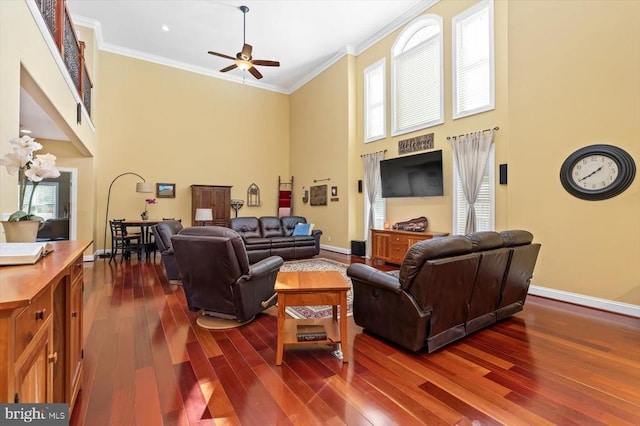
(418, 175)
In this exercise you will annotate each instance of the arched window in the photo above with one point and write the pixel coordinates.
(417, 86)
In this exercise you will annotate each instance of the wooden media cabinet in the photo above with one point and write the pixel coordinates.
(391, 245)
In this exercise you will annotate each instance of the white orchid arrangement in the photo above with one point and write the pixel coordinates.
(28, 168)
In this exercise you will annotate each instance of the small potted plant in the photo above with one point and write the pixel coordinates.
(145, 213)
(23, 225)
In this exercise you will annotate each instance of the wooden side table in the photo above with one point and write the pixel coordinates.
(312, 288)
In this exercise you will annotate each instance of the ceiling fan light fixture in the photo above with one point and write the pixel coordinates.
(244, 65)
(243, 59)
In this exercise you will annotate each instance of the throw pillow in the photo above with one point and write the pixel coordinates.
(302, 229)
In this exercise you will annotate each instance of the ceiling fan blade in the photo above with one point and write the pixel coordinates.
(254, 72)
(222, 55)
(229, 68)
(246, 51)
(265, 63)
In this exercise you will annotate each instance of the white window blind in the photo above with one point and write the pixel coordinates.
(45, 200)
(417, 76)
(374, 101)
(473, 61)
(485, 204)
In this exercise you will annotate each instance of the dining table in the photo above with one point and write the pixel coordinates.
(148, 243)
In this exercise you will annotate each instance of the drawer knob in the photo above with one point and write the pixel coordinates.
(74, 314)
(41, 314)
(53, 358)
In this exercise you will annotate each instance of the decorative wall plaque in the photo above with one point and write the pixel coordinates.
(319, 195)
(419, 143)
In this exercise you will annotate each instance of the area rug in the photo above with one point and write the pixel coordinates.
(302, 312)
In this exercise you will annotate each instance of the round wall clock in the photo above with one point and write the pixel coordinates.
(597, 172)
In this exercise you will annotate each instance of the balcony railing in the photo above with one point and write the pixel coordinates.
(58, 20)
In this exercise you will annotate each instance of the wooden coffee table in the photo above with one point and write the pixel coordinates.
(312, 288)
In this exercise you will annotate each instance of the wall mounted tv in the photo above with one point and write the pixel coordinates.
(417, 175)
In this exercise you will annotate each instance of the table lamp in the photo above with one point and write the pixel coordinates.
(204, 215)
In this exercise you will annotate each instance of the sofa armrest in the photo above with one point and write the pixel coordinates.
(370, 276)
(263, 267)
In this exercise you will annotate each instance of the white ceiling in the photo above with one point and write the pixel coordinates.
(306, 36)
(303, 35)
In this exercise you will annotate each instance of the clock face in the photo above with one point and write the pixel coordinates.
(597, 172)
(594, 172)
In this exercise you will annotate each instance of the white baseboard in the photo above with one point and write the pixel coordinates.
(589, 301)
(88, 258)
(336, 249)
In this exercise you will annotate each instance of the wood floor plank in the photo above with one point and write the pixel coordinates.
(217, 400)
(147, 401)
(147, 362)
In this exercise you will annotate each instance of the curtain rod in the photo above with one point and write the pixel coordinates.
(485, 130)
(383, 151)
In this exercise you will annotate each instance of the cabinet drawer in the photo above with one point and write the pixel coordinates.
(76, 269)
(396, 258)
(31, 319)
(400, 239)
(397, 249)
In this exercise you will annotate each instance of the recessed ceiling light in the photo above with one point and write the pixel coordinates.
(25, 131)
(165, 28)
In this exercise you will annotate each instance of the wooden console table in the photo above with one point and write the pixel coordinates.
(391, 245)
(41, 327)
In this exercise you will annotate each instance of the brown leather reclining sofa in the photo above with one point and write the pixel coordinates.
(446, 288)
(273, 236)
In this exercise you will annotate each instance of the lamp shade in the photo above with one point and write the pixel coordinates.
(146, 187)
(204, 215)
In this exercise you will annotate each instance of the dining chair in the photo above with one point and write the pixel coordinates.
(122, 241)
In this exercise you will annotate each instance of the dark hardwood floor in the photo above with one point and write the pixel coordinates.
(147, 363)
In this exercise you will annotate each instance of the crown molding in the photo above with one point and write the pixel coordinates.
(346, 50)
(407, 17)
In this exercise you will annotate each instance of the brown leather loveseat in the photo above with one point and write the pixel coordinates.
(276, 236)
(446, 288)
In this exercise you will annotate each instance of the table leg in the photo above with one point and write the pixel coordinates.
(281, 318)
(343, 327)
(335, 313)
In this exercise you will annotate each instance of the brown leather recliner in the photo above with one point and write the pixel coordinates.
(162, 233)
(217, 276)
(445, 289)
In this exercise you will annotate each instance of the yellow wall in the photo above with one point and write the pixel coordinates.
(321, 116)
(566, 77)
(438, 209)
(172, 126)
(556, 91)
(30, 63)
(574, 80)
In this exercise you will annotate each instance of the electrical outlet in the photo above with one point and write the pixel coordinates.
(328, 238)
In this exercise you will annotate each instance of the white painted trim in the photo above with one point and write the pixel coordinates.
(88, 259)
(46, 35)
(402, 20)
(589, 301)
(346, 50)
(73, 214)
(335, 249)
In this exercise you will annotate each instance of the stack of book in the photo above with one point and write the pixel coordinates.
(311, 332)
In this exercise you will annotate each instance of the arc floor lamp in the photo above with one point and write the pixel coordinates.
(144, 187)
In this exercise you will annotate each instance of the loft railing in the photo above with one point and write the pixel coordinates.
(58, 20)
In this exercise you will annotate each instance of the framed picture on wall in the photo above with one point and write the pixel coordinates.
(319, 195)
(166, 190)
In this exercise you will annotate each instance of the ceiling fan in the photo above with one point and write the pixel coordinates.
(243, 59)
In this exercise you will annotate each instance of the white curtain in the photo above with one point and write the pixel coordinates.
(371, 179)
(471, 152)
